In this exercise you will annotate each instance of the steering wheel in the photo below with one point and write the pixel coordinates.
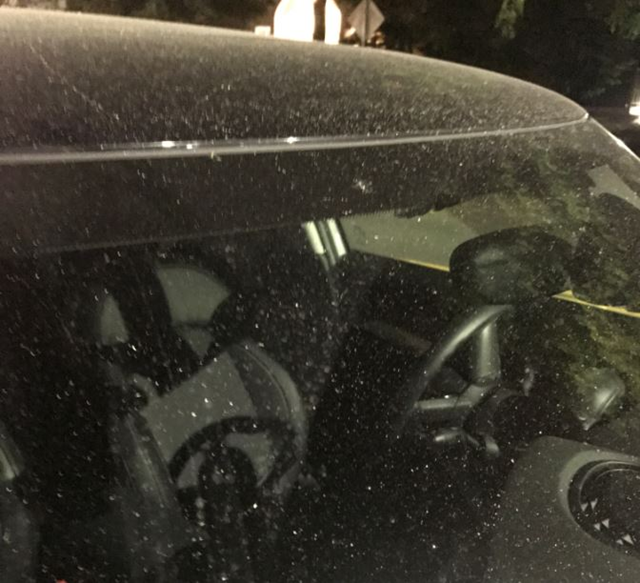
(236, 508)
(211, 440)
(227, 473)
(477, 325)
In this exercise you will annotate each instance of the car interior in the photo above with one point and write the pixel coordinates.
(279, 406)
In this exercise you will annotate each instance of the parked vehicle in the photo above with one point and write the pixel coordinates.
(286, 312)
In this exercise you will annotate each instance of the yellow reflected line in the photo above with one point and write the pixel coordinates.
(436, 266)
(566, 296)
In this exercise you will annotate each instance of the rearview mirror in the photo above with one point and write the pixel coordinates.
(511, 266)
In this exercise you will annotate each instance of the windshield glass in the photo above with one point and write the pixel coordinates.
(345, 383)
(586, 199)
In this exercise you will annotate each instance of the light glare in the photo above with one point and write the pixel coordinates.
(333, 23)
(294, 20)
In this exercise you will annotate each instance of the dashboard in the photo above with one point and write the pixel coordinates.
(570, 513)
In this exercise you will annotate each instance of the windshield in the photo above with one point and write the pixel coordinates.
(339, 382)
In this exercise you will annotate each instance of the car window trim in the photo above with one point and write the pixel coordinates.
(168, 149)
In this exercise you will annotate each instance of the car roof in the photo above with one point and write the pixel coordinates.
(118, 131)
(96, 83)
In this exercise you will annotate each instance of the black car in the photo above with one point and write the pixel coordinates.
(274, 311)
